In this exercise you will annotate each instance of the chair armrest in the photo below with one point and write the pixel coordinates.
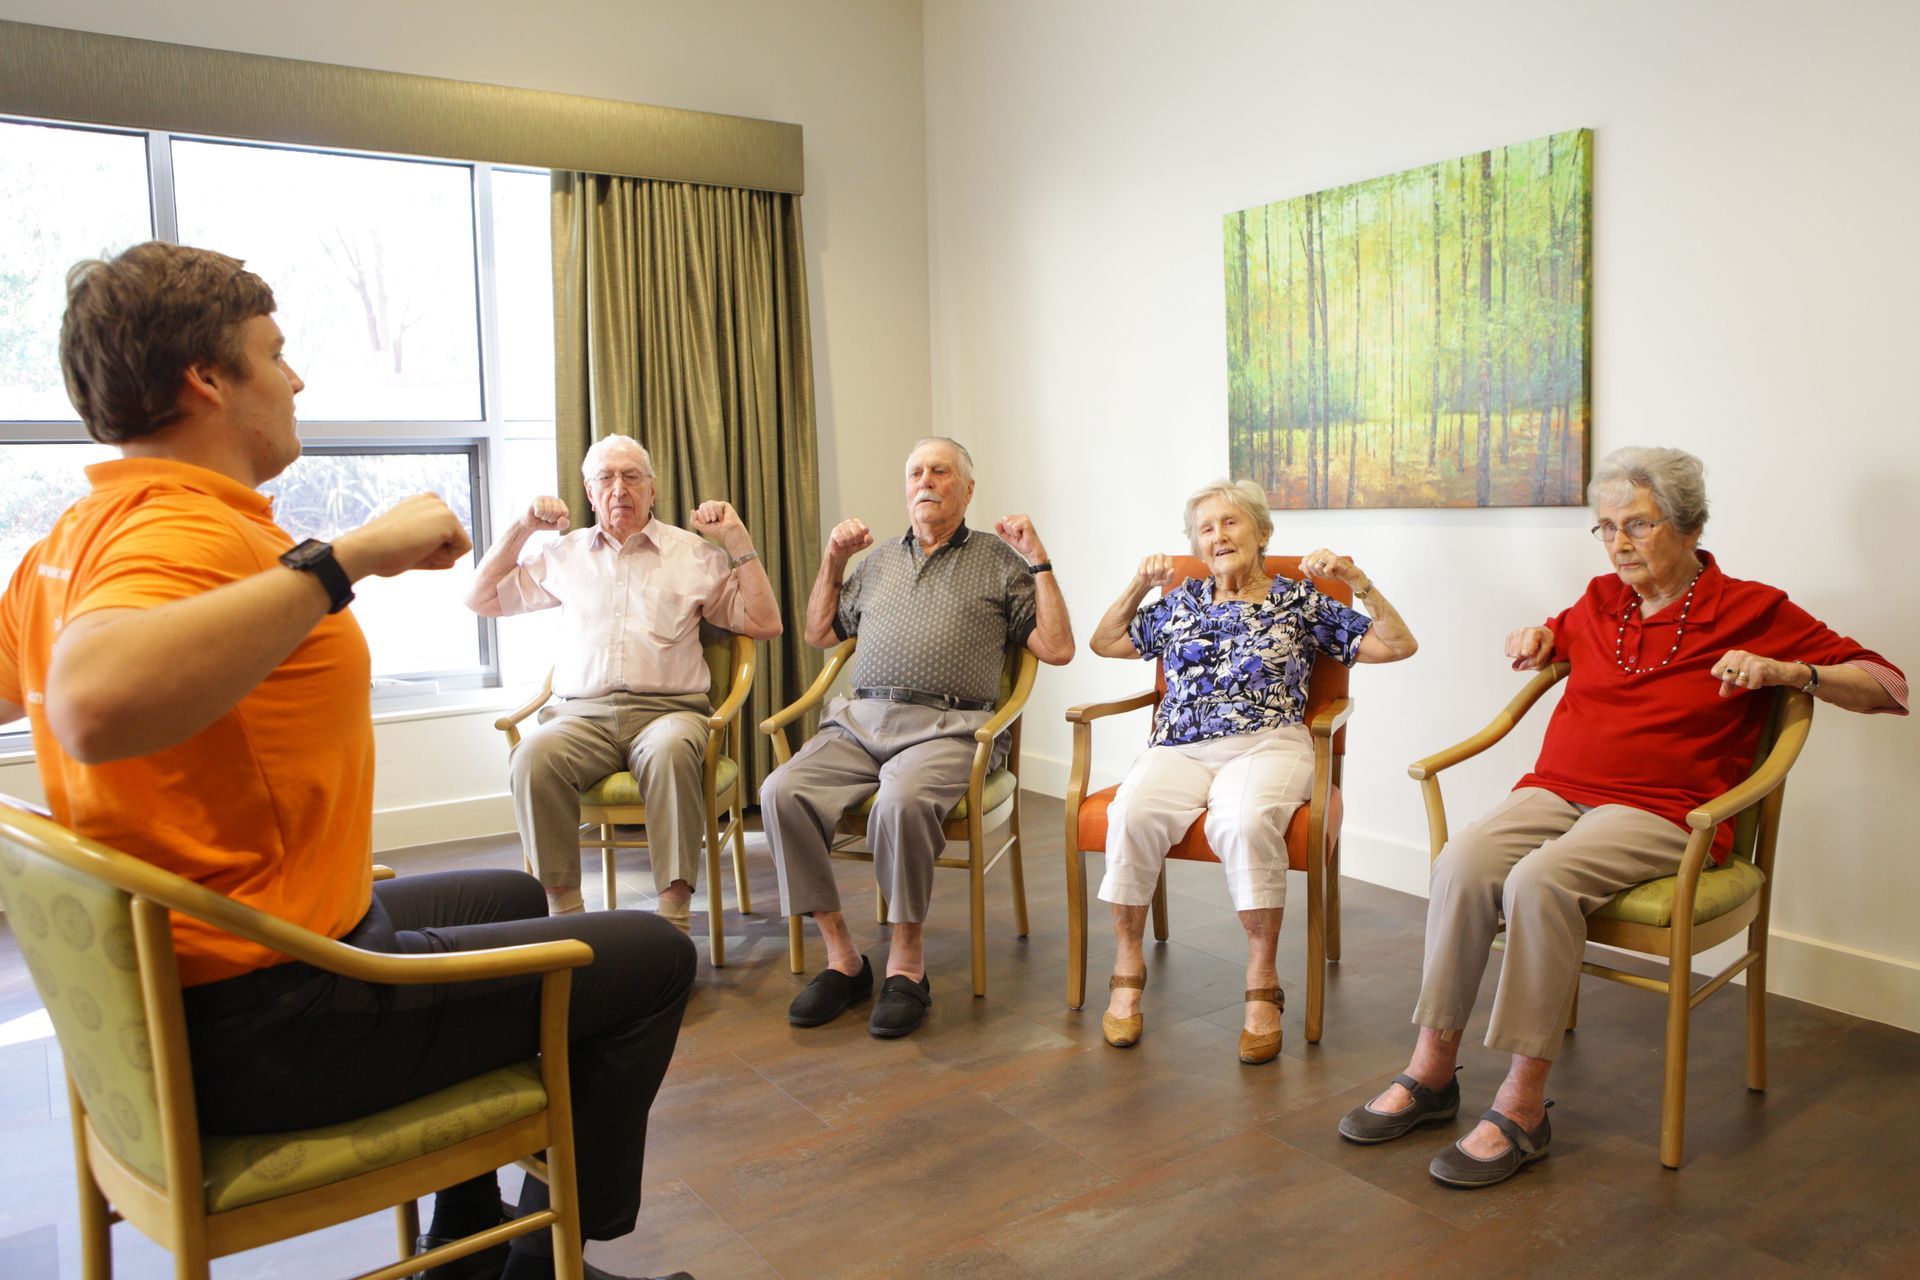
(383, 872)
(1796, 720)
(1088, 712)
(1331, 717)
(1496, 729)
(509, 724)
(1016, 702)
(816, 692)
(729, 707)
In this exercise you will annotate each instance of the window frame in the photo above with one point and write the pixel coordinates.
(483, 439)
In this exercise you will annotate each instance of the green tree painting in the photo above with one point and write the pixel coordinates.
(1417, 340)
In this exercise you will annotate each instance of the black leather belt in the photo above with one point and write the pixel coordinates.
(941, 701)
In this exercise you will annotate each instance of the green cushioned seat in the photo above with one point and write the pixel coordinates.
(999, 789)
(624, 788)
(1722, 889)
(246, 1170)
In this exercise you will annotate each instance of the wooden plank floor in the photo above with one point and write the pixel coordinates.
(1004, 1139)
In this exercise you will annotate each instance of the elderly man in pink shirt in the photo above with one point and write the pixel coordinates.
(630, 680)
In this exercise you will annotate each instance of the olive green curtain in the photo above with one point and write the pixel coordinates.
(680, 319)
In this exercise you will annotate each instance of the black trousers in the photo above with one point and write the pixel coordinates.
(294, 1047)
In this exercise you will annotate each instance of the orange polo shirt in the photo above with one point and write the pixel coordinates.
(272, 804)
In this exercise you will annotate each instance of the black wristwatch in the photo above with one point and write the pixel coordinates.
(316, 557)
(1045, 566)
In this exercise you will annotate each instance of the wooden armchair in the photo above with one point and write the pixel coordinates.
(1313, 836)
(1677, 917)
(992, 800)
(94, 926)
(615, 799)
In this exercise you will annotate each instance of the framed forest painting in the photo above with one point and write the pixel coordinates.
(1417, 340)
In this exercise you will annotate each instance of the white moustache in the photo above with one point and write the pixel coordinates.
(926, 495)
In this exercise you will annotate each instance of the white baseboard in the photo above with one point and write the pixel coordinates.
(1865, 984)
(464, 819)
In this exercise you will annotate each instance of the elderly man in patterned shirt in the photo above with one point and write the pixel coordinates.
(935, 610)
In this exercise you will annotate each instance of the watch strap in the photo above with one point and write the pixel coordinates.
(1045, 566)
(734, 562)
(316, 557)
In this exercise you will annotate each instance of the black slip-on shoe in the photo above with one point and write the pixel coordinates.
(1429, 1106)
(830, 994)
(902, 1006)
(1458, 1169)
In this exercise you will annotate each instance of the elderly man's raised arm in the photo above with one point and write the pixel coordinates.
(1051, 639)
(503, 556)
(848, 539)
(756, 613)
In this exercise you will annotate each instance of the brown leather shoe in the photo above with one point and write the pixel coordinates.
(1264, 1048)
(1123, 1033)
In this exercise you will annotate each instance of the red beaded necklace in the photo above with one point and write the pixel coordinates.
(1679, 629)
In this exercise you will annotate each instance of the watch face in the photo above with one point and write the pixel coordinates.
(307, 554)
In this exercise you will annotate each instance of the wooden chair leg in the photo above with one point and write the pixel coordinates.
(96, 1222)
(1333, 904)
(1316, 954)
(1673, 1105)
(609, 865)
(742, 892)
(716, 916)
(1018, 872)
(1160, 906)
(879, 906)
(1757, 1015)
(1573, 1010)
(407, 1228)
(977, 898)
(1076, 920)
(796, 946)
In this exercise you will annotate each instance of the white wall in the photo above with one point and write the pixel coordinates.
(848, 71)
(1752, 303)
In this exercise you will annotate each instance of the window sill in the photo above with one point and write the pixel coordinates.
(438, 706)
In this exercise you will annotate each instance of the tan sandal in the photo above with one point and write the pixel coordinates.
(1123, 1033)
(1262, 1048)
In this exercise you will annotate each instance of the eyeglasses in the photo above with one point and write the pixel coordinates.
(1635, 529)
(630, 476)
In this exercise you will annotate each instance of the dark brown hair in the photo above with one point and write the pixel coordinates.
(136, 323)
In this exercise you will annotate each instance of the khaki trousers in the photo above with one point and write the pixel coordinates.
(1544, 864)
(660, 738)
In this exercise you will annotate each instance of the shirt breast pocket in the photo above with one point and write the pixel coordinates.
(667, 614)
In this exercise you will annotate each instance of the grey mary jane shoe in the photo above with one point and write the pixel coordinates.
(1458, 1169)
(1429, 1106)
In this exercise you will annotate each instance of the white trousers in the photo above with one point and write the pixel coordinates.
(1248, 785)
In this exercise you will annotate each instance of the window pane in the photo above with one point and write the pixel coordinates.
(528, 641)
(523, 273)
(37, 483)
(65, 194)
(371, 262)
(417, 621)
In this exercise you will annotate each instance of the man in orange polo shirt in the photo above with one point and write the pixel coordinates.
(199, 697)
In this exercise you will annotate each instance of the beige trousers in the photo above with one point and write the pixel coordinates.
(1543, 864)
(660, 738)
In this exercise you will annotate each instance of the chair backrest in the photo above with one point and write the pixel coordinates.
(76, 932)
(1746, 827)
(1329, 678)
(719, 655)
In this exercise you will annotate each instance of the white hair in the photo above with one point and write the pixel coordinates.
(1249, 497)
(606, 445)
(959, 451)
(1676, 479)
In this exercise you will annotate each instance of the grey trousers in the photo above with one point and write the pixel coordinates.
(1544, 864)
(660, 738)
(917, 757)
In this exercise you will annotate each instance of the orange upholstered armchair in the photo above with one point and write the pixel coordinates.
(1313, 837)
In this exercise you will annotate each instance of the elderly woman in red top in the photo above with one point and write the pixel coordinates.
(1657, 717)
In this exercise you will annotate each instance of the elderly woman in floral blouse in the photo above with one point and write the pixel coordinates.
(1228, 739)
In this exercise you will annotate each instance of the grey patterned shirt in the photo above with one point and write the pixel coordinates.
(939, 623)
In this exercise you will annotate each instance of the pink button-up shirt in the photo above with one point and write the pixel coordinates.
(632, 612)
